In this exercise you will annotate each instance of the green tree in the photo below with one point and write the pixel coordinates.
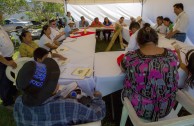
(44, 11)
(12, 6)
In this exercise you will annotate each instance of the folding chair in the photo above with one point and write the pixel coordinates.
(20, 62)
(183, 100)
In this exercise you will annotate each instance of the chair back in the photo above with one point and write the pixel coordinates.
(9, 70)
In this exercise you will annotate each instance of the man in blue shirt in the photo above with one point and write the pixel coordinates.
(83, 22)
(69, 29)
(43, 104)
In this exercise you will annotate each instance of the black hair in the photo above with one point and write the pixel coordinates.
(160, 17)
(52, 20)
(134, 25)
(105, 22)
(167, 19)
(122, 18)
(45, 27)
(190, 67)
(82, 17)
(147, 34)
(179, 5)
(23, 34)
(39, 53)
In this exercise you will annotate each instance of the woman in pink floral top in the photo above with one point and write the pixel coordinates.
(151, 77)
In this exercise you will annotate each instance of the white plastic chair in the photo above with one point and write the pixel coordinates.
(97, 123)
(183, 100)
(20, 62)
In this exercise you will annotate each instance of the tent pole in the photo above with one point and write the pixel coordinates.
(65, 7)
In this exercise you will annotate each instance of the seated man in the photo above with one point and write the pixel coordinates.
(56, 35)
(83, 22)
(159, 26)
(121, 22)
(69, 29)
(132, 45)
(41, 104)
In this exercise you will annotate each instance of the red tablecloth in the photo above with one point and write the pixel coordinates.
(82, 34)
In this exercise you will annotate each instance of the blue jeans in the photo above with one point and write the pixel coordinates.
(180, 37)
(7, 90)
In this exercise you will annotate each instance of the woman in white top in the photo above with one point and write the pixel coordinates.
(45, 40)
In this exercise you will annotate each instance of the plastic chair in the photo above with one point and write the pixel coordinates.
(20, 62)
(97, 123)
(183, 100)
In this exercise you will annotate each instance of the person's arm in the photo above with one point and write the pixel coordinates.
(56, 43)
(58, 36)
(171, 34)
(182, 65)
(51, 46)
(8, 63)
(55, 55)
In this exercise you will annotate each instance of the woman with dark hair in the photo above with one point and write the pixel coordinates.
(189, 69)
(168, 23)
(27, 46)
(107, 23)
(151, 78)
(45, 40)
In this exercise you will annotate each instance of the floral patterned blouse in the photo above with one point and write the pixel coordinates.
(151, 82)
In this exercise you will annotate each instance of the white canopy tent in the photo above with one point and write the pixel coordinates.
(81, 2)
(113, 9)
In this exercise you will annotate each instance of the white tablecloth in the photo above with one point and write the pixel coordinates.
(80, 53)
(108, 75)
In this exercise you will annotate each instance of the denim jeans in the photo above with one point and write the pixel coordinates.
(180, 37)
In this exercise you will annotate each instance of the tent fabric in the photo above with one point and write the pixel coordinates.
(85, 2)
(112, 11)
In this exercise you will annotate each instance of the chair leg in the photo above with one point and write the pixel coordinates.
(124, 116)
(112, 107)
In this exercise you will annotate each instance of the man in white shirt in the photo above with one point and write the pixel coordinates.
(7, 90)
(181, 23)
(68, 18)
(121, 22)
(56, 35)
(160, 27)
(132, 45)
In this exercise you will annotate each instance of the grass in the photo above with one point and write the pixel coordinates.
(6, 116)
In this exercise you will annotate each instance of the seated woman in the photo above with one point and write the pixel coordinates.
(189, 69)
(96, 23)
(27, 46)
(107, 22)
(151, 77)
(45, 40)
(168, 23)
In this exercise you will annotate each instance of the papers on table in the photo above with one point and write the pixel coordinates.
(71, 71)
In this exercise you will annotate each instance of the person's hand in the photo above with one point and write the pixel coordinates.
(12, 64)
(62, 57)
(62, 33)
(169, 35)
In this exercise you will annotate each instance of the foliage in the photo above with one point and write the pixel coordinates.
(12, 6)
(44, 10)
